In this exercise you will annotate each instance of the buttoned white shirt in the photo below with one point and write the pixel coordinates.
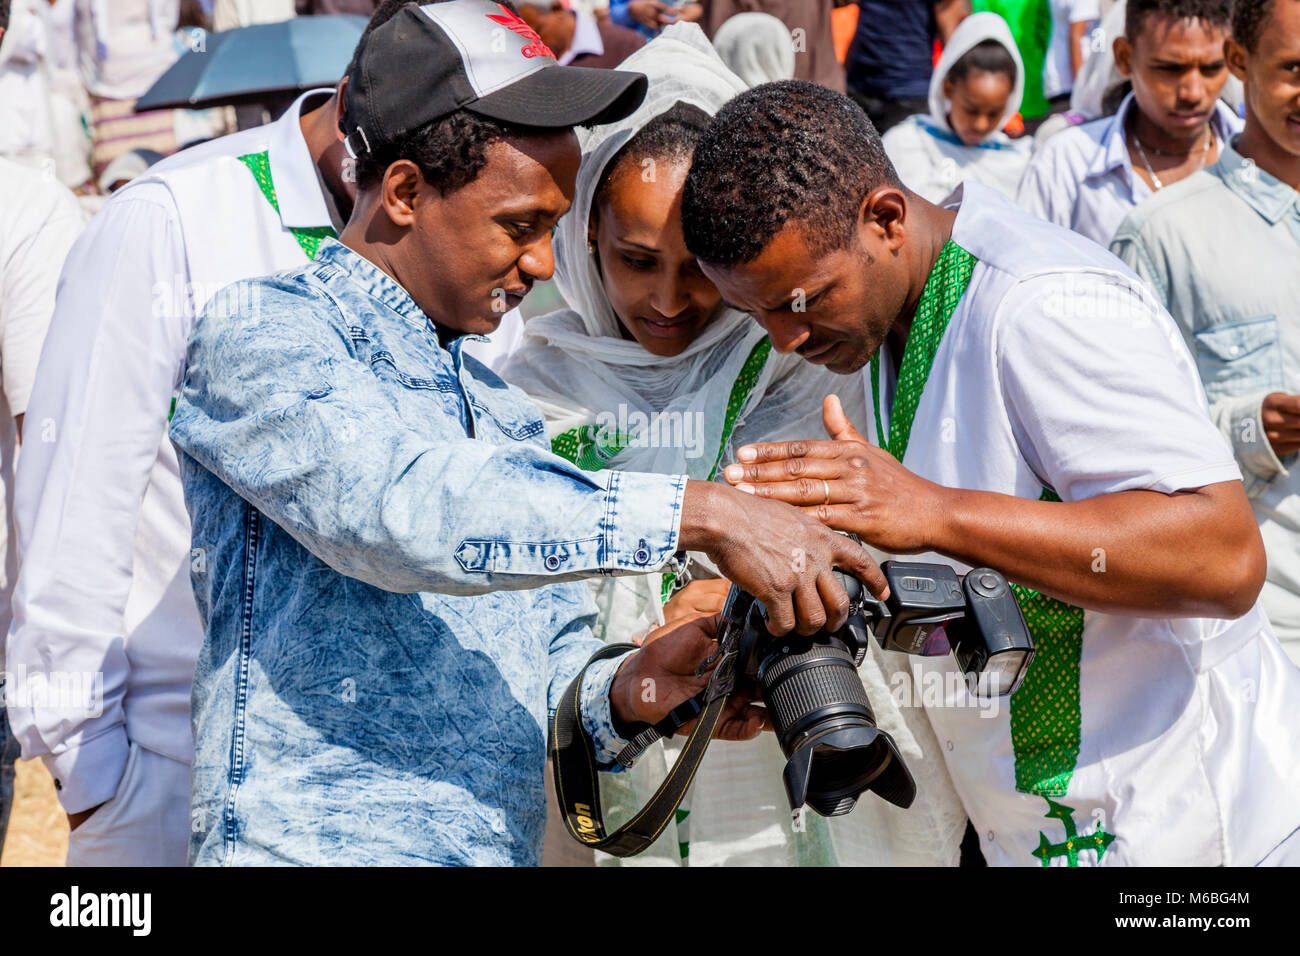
(1083, 178)
(1059, 369)
(104, 586)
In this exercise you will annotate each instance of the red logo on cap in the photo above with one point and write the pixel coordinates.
(515, 23)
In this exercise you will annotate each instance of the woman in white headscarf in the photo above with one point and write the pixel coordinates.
(650, 371)
(975, 89)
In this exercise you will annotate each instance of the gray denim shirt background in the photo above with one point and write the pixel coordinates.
(1222, 250)
(387, 561)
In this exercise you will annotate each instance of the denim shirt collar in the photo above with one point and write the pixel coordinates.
(1263, 192)
(334, 258)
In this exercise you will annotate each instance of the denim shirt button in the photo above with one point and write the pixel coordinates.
(641, 556)
(552, 562)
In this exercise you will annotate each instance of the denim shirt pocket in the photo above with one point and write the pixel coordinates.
(1240, 357)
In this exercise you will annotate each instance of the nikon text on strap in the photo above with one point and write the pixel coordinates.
(577, 786)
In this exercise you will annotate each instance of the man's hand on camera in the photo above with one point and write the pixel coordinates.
(846, 483)
(661, 675)
(783, 557)
(702, 598)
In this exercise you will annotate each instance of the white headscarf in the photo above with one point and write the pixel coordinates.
(931, 159)
(578, 368)
(575, 365)
(756, 46)
(970, 33)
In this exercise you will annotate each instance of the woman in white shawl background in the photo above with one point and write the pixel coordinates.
(648, 370)
(975, 89)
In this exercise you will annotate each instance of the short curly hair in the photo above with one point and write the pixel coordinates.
(1248, 19)
(1214, 12)
(782, 151)
(451, 151)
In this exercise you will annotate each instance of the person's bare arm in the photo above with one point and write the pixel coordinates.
(949, 13)
(1196, 553)
(1077, 32)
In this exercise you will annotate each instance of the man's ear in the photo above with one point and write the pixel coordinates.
(338, 108)
(1236, 56)
(1123, 51)
(881, 217)
(947, 88)
(401, 191)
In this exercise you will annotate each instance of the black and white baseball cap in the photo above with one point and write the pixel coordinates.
(432, 59)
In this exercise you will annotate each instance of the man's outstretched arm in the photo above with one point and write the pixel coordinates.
(277, 407)
(1192, 553)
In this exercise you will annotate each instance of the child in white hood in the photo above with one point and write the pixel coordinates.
(976, 88)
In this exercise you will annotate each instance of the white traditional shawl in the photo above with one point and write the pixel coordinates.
(580, 371)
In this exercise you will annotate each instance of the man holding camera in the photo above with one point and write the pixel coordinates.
(1035, 411)
(392, 556)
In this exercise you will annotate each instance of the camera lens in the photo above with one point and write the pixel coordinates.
(826, 728)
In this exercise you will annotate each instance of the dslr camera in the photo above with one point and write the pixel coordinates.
(816, 702)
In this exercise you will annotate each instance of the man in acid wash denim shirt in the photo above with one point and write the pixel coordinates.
(370, 506)
(1222, 250)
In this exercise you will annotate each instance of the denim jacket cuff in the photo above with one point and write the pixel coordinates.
(643, 518)
(597, 712)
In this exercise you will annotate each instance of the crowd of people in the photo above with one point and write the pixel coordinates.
(349, 435)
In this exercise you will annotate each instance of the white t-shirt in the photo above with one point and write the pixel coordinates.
(1060, 369)
(1057, 77)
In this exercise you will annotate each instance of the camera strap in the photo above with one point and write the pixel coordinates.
(577, 786)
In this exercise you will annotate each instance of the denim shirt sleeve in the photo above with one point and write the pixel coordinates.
(1241, 419)
(597, 713)
(278, 406)
(1238, 417)
(571, 620)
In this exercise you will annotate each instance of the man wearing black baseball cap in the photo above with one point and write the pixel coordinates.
(392, 556)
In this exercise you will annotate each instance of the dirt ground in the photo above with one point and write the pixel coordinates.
(38, 828)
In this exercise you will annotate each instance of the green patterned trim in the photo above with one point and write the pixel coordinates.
(259, 164)
(589, 447)
(1045, 711)
(592, 448)
(943, 290)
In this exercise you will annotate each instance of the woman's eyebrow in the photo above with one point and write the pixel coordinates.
(639, 245)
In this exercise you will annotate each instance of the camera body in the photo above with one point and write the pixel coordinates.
(815, 699)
